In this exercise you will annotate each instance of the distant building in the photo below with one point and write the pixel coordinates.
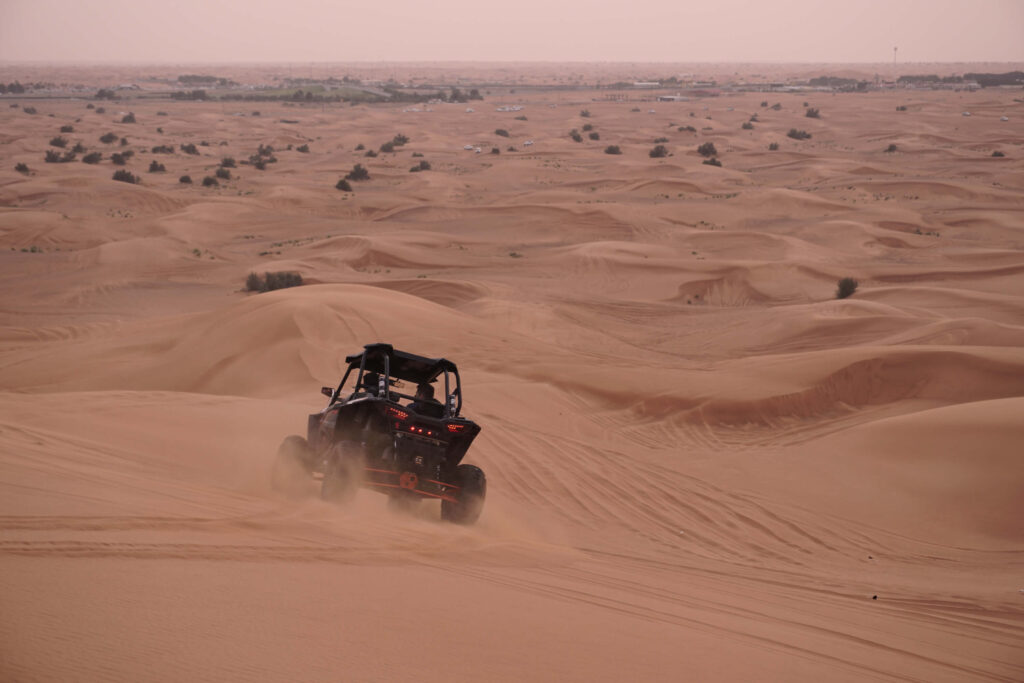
(673, 98)
(647, 84)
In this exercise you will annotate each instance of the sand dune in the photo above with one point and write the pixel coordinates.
(701, 464)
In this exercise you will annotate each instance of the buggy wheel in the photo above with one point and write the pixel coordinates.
(292, 468)
(343, 474)
(470, 500)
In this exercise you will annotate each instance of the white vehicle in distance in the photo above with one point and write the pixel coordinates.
(527, 143)
(468, 148)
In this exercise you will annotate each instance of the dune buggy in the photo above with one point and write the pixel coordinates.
(367, 438)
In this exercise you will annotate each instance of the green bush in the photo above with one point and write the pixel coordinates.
(422, 166)
(58, 142)
(773, 147)
(846, 287)
(707, 150)
(271, 281)
(162, 149)
(67, 129)
(612, 149)
(387, 147)
(686, 129)
(125, 176)
(891, 148)
(302, 148)
(658, 152)
(118, 159)
(92, 158)
(52, 156)
(358, 173)
(223, 173)
(399, 140)
(747, 125)
(575, 135)
(812, 113)
(227, 162)
(502, 132)
(360, 147)
(128, 118)
(108, 138)
(594, 135)
(189, 148)
(21, 168)
(210, 181)
(495, 150)
(712, 162)
(997, 153)
(156, 167)
(343, 185)
(798, 134)
(585, 113)
(185, 180)
(658, 141)
(588, 127)
(370, 154)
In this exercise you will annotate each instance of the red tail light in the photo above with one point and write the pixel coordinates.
(456, 429)
(396, 413)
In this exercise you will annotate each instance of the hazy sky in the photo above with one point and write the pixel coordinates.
(523, 30)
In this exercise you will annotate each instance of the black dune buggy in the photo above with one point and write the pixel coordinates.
(366, 438)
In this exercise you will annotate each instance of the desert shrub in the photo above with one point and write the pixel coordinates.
(812, 113)
(658, 141)
(585, 113)
(189, 148)
(156, 167)
(58, 142)
(265, 151)
(891, 148)
(387, 147)
(495, 150)
(510, 148)
(575, 135)
(358, 173)
(227, 162)
(764, 103)
(360, 147)
(343, 185)
(125, 176)
(901, 107)
(124, 142)
(635, 110)
(92, 158)
(67, 129)
(90, 106)
(258, 162)
(255, 113)
(798, 134)
(846, 287)
(502, 132)
(223, 173)
(707, 150)
(271, 281)
(399, 140)
(160, 130)
(302, 148)
(105, 94)
(108, 138)
(686, 129)
(777, 106)
(754, 119)
(162, 149)
(161, 113)
(370, 154)
(52, 156)
(118, 159)
(79, 148)
(21, 168)
(588, 127)
(658, 151)
(210, 181)
(127, 154)
(997, 153)
(747, 125)
(712, 162)
(128, 118)
(521, 118)
(30, 110)
(185, 180)
(424, 165)
(416, 154)
(68, 156)
(594, 135)
(773, 147)
(101, 110)
(612, 149)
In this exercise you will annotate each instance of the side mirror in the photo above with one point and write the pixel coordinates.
(327, 391)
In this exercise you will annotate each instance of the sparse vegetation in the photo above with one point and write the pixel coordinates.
(58, 142)
(227, 162)
(712, 162)
(686, 129)
(707, 150)
(22, 168)
(798, 134)
(30, 110)
(128, 118)
(658, 141)
(343, 185)
(67, 129)
(399, 140)
(422, 166)
(747, 125)
(594, 135)
(370, 154)
(189, 148)
(271, 281)
(360, 147)
(588, 127)
(156, 167)
(812, 113)
(387, 147)
(502, 132)
(575, 135)
(118, 159)
(521, 118)
(901, 107)
(891, 148)
(585, 113)
(223, 173)
(162, 149)
(210, 181)
(105, 94)
(125, 176)
(302, 148)
(92, 158)
(773, 147)
(777, 106)
(612, 149)
(997, 153)
(658, 152)
(846, 287)
(495, 150)
(108, 138)
(358, 173)
(185, 180)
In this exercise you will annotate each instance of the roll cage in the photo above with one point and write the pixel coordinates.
(389, 367)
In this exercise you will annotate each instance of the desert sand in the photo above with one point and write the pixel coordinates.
(702, 465)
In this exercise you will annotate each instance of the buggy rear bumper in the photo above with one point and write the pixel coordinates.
(393, 481)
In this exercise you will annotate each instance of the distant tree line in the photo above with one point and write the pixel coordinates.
(198, 79)
(990, 80)
(189, 95)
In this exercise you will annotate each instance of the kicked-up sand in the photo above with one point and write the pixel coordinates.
(702, 464)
